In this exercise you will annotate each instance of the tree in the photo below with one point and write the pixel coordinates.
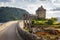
(49, 22)
(54, 19)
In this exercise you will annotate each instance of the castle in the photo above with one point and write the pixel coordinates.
(28, 19)
(41, 12)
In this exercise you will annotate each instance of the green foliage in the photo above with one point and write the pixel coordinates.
(49, 22)
(54, 19)
(9, 13)
(57, 24)
(39, 22)
(42, 21)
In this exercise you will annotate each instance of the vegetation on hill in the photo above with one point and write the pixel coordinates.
(9, 13)
(52, 21)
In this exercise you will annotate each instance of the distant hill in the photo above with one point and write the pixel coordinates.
(9, 13)
(58, 19)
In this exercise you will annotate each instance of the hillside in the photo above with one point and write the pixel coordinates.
(9, 13)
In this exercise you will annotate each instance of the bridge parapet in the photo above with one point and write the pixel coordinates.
(25, 35)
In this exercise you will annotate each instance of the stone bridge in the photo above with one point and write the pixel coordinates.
(26, 35)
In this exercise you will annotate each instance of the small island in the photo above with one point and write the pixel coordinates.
(47, 28)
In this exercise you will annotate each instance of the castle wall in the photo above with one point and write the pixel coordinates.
(41, 12)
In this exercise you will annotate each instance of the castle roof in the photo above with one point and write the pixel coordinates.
(41, 9)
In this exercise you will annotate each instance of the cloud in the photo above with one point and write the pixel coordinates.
(56, 9)
(50, 14)
(4, 0)
(57, 1)
(7, 0)
(7, 3)
(32, 5)
(1, 4)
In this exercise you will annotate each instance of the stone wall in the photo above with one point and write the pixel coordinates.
(25, 35)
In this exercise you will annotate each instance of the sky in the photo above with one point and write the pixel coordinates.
(52, 6)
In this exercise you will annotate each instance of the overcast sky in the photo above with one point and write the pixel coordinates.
(52, 6)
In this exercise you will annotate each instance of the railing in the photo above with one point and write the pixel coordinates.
(25, 35)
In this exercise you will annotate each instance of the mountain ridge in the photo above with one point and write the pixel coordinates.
(10, 13)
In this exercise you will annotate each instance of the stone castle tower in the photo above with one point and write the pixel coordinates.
(41, 12)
